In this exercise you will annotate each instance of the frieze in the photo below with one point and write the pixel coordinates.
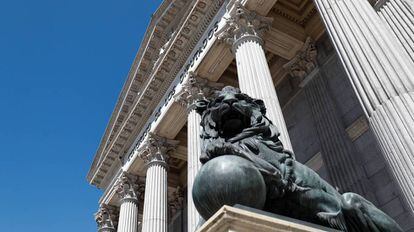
(179, 78)
(136, 75)
(183, 74)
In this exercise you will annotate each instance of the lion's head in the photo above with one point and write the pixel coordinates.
(232, 117)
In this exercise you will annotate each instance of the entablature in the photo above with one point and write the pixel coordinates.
(154, 89)
(159, 113)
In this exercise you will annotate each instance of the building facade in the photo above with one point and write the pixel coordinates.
(336, 76)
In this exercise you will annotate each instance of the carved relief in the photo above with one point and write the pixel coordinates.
(155, 149)
(194, 89)
(304, 62)
(126, 187)
(175, 201)
(244, 23)
(205, 11)
(105, 218)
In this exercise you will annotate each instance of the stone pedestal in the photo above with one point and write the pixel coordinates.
(241, 220)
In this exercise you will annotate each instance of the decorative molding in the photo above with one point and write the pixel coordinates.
(106, 218)
(155, 150)
(139, 72)
(195, 88)
(159, 88)
(127, 188)
(191, 61)
(357, 128)
(243, 25)
(304, 62)
(302, 20)
(176, 201)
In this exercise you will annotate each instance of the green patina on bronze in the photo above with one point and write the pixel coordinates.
(234, 127)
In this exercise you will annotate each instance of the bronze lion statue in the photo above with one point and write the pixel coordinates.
(235, 124)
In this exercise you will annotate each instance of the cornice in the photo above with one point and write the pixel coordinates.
(139, 71)
(156, 86)
(301, 14)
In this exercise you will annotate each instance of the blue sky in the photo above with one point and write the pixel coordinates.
(62, 65)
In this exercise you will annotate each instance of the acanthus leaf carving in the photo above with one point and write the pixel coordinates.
(243, 24)
(106, 218)
(127, 188)
(156, 148)
(304, 62)
(195, 88)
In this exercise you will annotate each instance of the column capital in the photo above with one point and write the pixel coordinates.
(304, 62)
(156, 148)
(243, 25)
(175, 201)
(127, 188)
(105, 218)
(195, 88)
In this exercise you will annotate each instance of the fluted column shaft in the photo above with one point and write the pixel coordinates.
(336, 147)
(256, 81)
(400, 17)
(382, 75)
(243, 31)
(194, 88)
(127, 190)
(128, 216)
(155, 201)
(154, 152)
(194, 165)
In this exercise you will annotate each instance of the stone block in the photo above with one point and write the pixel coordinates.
(244, 219)
(373, 166)
(406, 220)
(380, 179)
(393, 208)
(353, 114)
(386, 193)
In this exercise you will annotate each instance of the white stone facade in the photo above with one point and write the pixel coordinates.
(336, 76)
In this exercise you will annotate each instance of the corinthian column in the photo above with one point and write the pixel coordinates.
(337, 149)
(243, 32)
(154, 153)
(400, 17)
(382, 75)
(126, 188)
(105, 219)
(195, 88)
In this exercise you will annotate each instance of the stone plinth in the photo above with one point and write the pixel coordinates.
(244, 219)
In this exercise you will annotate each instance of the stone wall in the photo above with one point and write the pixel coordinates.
(306, 140)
